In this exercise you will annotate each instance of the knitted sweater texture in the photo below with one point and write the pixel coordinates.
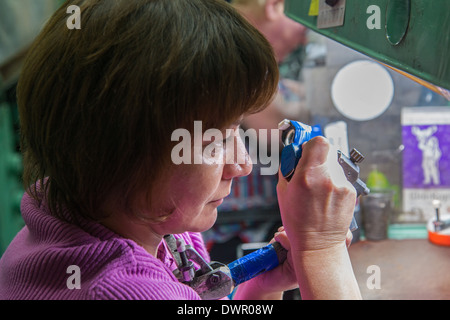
(46, 256)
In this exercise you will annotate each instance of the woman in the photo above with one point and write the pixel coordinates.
(97, 109)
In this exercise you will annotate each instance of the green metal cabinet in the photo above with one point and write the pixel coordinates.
(11, 190)
(21, 21)
(413, 35)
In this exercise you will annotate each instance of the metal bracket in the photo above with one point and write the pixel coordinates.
(211, 281)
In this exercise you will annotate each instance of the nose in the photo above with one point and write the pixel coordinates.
(238, 162)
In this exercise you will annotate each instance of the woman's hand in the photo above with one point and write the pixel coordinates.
(271, 285)
(317, 204)
(316, 208)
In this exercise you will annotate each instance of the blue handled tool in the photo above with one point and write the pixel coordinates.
(257, 262)
(293, 135)
(216, 280)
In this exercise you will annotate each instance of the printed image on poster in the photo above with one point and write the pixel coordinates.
(426, 160)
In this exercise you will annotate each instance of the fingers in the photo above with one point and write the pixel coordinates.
(280, 229)
(315, 153)
(281, 237)
(318, 201)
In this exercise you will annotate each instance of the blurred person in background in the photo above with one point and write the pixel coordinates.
(285, 35)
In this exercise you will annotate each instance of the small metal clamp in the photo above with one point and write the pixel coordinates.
(211, 281)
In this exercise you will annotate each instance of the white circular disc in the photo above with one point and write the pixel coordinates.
(362, 90)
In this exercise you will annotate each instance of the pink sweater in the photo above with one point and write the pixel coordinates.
(37, 263)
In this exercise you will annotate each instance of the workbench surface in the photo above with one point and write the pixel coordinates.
(409, 269)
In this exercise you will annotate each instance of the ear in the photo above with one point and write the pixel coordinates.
(274, 9)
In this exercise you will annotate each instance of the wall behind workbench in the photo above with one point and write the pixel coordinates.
(378, 139)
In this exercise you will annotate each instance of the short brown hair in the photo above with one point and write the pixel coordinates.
(98, 105)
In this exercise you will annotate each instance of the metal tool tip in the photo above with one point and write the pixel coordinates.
(180, 245)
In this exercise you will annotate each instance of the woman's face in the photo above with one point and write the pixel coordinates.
(192, 192)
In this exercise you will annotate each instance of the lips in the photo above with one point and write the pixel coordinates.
(217, 202)
(220, 199)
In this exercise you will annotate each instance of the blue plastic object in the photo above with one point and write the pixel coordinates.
(293, 139)
(253, 264)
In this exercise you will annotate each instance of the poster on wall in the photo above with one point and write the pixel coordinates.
(426, 161)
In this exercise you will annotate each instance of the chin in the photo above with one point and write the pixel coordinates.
(206, 222)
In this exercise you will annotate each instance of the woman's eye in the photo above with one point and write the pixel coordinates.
(229, 136)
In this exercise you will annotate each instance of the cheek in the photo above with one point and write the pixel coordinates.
(197, 184)
(295, 33)
(213, 154)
